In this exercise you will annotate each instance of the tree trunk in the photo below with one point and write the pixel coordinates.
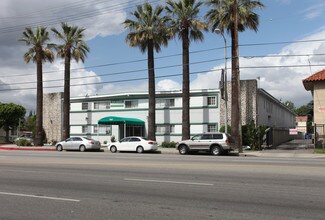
(152, 92)
(186, 86)
(7, 129)
(235, 84)
(39, 100)
(66, 95)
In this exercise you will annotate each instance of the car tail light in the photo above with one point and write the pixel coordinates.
(150, 142)
(227, 141)
(91, 142)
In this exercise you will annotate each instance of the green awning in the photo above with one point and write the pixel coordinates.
(113, 120)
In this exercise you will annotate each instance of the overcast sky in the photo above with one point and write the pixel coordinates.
(275, 54)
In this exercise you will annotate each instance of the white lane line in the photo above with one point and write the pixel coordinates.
(166, 181)
(39, 197)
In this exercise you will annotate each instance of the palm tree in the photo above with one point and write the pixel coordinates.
(39, 52)
(187, 26)
(148, 31)
(73, 47)
(224, 15)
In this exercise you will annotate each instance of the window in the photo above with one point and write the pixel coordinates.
(131, 104)
(84, 106)
(102, 129)
(84, 129)
(206, 137)
(165, 103)
(102, 105)
(134, 139)
(212, 128)
(165, 129)
(212, 101)
(217, 136)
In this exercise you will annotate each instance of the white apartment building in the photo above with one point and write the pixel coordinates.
(126, 114)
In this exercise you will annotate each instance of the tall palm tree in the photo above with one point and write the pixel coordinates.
(224, 15)
(148, 31)
(188, 27)
(73, 47)
(39, 52)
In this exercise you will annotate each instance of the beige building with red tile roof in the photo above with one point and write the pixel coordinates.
(316, 84)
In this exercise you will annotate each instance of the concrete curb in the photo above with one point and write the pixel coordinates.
(27, 148)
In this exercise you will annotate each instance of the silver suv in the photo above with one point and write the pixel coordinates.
(215, 143)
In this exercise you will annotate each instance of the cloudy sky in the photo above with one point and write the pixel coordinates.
(288, 47)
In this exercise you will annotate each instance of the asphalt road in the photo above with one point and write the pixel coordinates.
(102, 185)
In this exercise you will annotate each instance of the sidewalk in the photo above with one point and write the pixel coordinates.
(300, 148)
(292, 149)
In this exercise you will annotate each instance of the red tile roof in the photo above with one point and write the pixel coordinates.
(320, 76)
(317, 77)
(301, 118)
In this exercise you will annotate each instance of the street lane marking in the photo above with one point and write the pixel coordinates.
(166, 181)
(39, 197)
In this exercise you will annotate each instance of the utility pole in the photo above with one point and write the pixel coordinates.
(235, 84)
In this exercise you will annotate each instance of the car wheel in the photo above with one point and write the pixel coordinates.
(59, 148)
(216, 150)
(140, 149)
(113, 149)
(183, 149)
(82, 148)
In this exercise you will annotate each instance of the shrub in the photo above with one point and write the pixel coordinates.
(252, 135)
(223, 128)
(113, 139)
(53, 142)
(166, 144)
(24, 142)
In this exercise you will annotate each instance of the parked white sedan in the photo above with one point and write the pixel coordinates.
(137, 144)
(78, 143)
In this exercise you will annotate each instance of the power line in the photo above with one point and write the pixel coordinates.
(157, 68)
(162, 76)
(79, 16)
(192, 52)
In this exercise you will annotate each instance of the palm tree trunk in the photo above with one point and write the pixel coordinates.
(66, 96)
(152, 99)
(7, 129)
(235, 84)
(39, 100)
(186, 86)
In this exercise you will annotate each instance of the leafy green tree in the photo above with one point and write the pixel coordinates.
(290, 105)
(10, 114)
(233, 16)
(39, 52)
(186, 24)
(148, 31)
(306, 109)
(73, 47)
(29, 123)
